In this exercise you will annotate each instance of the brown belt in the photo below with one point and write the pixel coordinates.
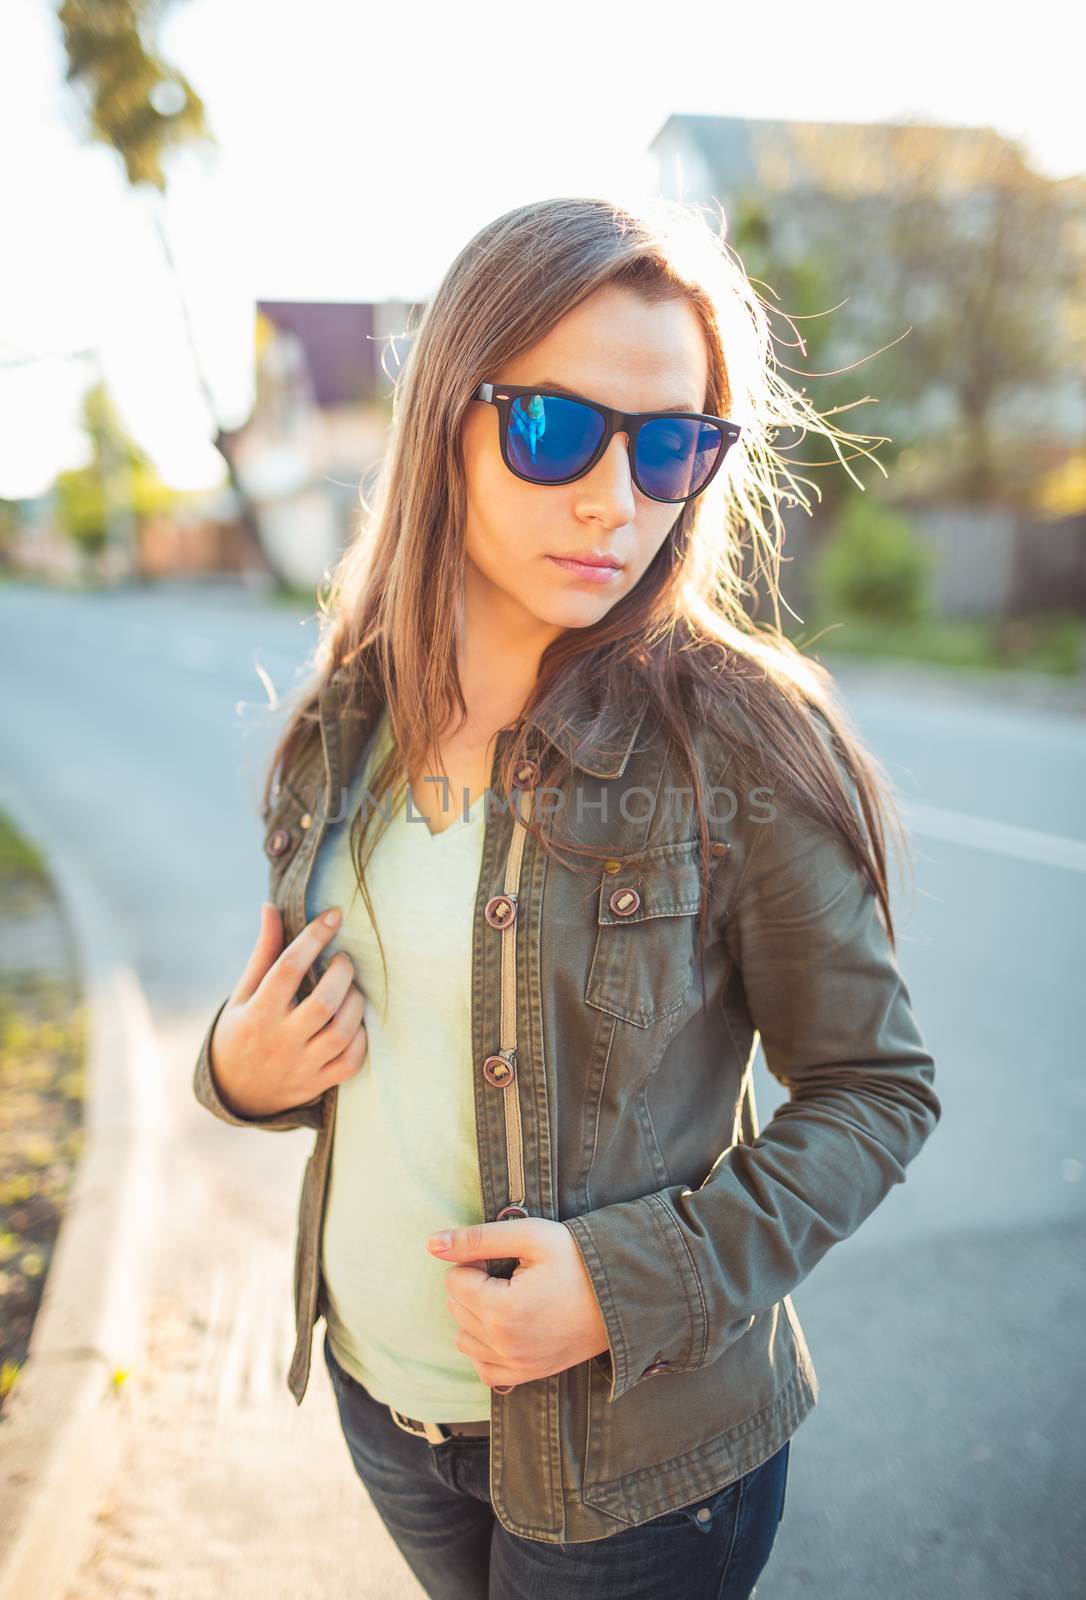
(439, 1432)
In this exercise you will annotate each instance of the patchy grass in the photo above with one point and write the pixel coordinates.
(294, 598)
(1052, 642)
(24, 877)
(42, 1055)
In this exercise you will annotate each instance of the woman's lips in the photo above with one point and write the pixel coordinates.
(584, 569)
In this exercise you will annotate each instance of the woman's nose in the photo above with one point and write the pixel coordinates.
(608, 489)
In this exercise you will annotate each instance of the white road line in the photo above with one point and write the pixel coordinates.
(1001, 838)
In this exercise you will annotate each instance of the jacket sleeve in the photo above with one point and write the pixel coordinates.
(207, 1093)
(680, 1274)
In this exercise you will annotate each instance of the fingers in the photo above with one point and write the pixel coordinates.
(269, 942)
(317, 1009)
(338, 1006)
(347, 1064)
(282, 978)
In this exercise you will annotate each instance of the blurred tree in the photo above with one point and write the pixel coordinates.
(118, 473)
(980, 259)
(137, 104)
(81, 508)
(143, 108)
(10, 518)
(807, 328)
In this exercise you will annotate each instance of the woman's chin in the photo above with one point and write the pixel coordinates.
(576, 608)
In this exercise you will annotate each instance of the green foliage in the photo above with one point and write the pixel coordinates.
(957, 273)
(81, 507)
(10, 518)
(1050, 642)
(118, 475)
(43, 1041)
(136, 101)
(873, 565)
(810, 323)
(18, 855)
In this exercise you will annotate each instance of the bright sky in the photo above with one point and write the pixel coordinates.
(360, 148)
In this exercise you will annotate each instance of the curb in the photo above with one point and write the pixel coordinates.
(61, 1428)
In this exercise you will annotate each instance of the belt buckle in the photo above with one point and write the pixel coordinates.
(422, 1430)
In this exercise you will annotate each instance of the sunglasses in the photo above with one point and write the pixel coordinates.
(549, 437)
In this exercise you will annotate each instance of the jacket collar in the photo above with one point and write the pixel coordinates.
(600, 752)
(592, 745)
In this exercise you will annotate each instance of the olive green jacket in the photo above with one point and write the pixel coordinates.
(615, 1096)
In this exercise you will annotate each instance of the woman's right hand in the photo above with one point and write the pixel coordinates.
(271, 1052)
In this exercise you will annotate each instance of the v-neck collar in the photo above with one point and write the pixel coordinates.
(459, 821)
(382, 734)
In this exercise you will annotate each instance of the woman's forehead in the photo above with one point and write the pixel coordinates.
(622, 351)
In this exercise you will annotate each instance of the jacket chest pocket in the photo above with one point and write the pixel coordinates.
(644, 962)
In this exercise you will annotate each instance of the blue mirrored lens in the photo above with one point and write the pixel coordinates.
(675, 456)
(550, 438)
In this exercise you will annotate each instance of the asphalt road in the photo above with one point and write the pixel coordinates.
(946, 1452)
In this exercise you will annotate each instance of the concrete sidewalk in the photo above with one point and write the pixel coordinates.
(198, 1475)
(225, 1488)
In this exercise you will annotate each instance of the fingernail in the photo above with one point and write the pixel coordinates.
(331, 918)
(439, 1241)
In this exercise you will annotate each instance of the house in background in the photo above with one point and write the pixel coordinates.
(703, 156)
(324, 375)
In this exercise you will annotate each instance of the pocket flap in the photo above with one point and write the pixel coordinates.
(666, 879)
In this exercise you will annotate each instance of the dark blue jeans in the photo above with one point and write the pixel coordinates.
(435, 1502)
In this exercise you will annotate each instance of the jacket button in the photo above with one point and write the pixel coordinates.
(624, 902)
(611, 866)
(278, 842)
(499, 1071)
(305, 820)
(501, 911)
(526, 775)
(719, 848)
(511, 1210)
(657, 1366)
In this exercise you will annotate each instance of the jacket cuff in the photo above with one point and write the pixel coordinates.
(207, 1093)
(648, 1291)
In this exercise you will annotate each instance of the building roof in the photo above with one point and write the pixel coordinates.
(337, 337)
(747, 152)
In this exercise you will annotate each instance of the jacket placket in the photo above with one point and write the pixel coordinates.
(501, 1069)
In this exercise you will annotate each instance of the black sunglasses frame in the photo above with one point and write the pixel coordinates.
(502, 396)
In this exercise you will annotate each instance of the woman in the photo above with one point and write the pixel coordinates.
(643, 834)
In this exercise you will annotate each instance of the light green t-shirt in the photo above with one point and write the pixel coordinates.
(404, 1153)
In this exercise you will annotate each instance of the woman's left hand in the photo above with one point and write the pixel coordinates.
(541, 1320)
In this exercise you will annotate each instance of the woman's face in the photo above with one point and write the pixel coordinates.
(623, 351)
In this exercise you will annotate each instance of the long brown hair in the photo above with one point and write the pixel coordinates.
(683, 641)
